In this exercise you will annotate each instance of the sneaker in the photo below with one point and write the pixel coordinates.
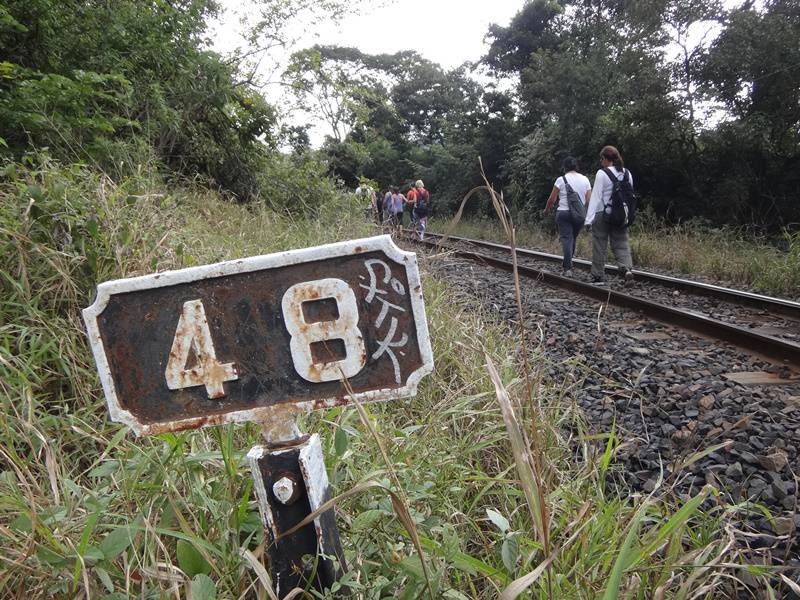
(598, 280)
(567, 273)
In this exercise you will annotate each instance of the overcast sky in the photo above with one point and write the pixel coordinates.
(448, 32)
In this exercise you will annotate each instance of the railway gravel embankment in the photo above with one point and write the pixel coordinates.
(670, 394)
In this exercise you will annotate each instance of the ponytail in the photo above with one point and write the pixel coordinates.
(612, 154)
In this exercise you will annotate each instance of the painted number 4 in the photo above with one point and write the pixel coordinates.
(193, 337)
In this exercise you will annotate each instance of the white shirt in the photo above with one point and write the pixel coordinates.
(579, 183)
(601, 192)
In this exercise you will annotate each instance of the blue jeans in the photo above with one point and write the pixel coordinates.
(568, 232)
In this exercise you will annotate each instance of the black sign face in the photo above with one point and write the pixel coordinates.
(231, 342)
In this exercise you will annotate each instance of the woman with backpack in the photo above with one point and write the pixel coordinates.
(573, 191)
(422, 202)
(612, 198)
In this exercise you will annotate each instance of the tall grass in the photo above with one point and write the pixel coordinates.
(735, 257)
(87, 511)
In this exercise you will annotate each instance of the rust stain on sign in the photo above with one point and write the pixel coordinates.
(232, 341)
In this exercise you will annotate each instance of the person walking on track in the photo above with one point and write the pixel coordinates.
(422, 206)
(569, 219)
(612, 171)
(393, 208)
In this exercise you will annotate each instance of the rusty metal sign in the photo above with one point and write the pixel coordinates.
(234, 341)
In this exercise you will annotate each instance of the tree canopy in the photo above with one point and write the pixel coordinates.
(702, 99)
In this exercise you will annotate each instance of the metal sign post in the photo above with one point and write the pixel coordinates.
(261, 339)
(291, 483)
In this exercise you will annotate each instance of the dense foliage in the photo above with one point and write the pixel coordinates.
(702, 100)
(123, 84)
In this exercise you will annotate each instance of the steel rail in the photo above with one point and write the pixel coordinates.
(747, 339)
(774, 305)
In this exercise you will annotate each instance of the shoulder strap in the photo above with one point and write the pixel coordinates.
(610, 174)
(566, 183)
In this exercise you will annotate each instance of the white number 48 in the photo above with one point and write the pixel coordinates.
(194, 335)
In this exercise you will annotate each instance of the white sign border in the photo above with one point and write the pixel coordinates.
(247, 265)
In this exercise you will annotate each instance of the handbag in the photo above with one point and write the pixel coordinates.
(577, 210)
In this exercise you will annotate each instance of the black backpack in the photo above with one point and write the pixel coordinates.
(622, 210)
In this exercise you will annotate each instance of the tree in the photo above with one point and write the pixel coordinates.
(753, 67)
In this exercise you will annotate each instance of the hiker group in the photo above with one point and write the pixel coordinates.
(388, 208)
(608, 209)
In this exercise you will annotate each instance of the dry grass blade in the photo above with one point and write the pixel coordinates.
(400, 509)
(518, 586)
(260, 571)
(295, 593)
(459, 213)
(522, 456)
(688, 585)
(792, 584)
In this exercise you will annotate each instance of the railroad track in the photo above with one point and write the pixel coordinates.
(749, 338)
(641, 369)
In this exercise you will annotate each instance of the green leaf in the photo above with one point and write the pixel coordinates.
(454, 595)
(116, 542)
(366, 519)
(35, 192)
(22, 523)
(203, 588)
(510, 554)
(676, 521)
(105, 469)
(93, 554)
(190, 560)
(412, 566)
(340, 441)
(623, 558)
(48, 557)
(103, 576)
(499, 520)
(91, 227)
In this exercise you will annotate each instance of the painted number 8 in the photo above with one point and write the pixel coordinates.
(304, 334)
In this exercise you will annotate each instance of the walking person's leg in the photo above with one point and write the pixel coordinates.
(576, 229)
(599, 247)
(621, 247)
(564, 223)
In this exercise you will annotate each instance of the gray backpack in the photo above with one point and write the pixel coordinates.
(577, 210)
